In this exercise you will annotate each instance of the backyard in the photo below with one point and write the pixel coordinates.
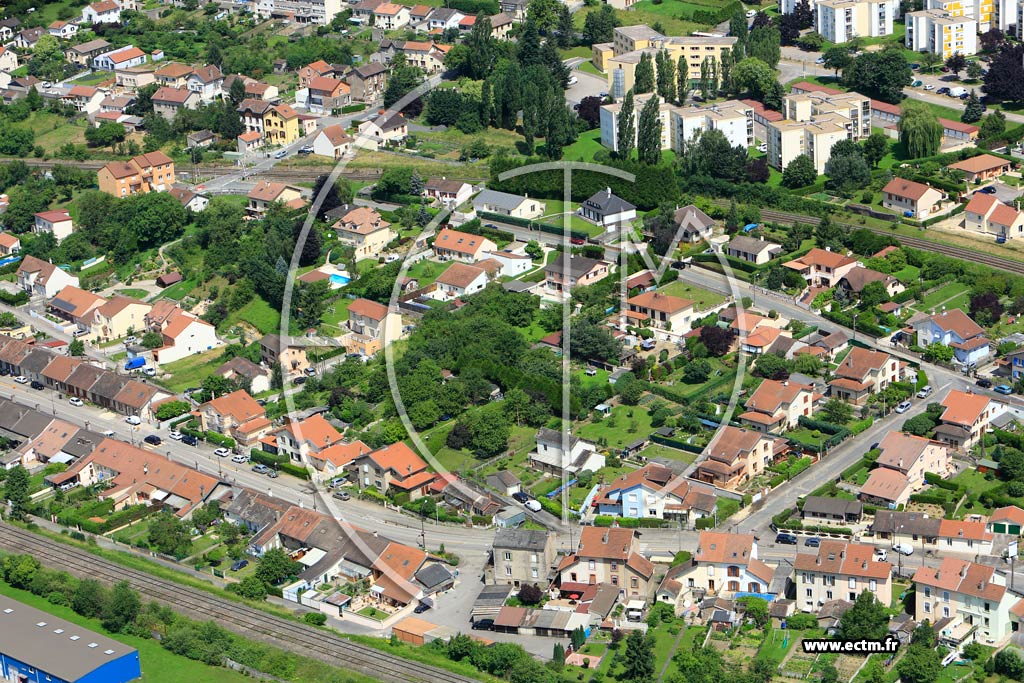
(625, 425)
(703, 298)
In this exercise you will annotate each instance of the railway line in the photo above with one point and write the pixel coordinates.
(238, 617)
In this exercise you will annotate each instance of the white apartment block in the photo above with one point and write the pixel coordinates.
(1004, 14)
(840, 20)
(318, 12)
(679, 125)
(940, 33)
(814, 123)
(982, 11)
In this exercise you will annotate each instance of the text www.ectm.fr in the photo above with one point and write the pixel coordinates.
(866, 647)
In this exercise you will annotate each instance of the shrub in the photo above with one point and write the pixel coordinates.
(315, 618)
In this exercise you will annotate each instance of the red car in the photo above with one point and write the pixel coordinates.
(577, 240)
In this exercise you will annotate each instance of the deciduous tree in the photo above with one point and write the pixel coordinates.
(919, 129)
(649, 133)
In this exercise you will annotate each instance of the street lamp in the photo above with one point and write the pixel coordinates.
(855, 326)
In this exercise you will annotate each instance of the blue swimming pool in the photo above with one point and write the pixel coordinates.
(340, 280)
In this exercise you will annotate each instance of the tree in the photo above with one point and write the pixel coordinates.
(122, 608)
(682, 79)
(108, 134)
(90, 598)
(919, 129)
(250, 588)
(771, 366)
(638, 659)
(866, 620)
(876, 147)
(974, 70)
(643, 81)
(920, 664)
(828, 234)
(992, 125)
(599, 26)
(758, 171)
(847, 172)
(275, 566)
(713, 156)
(590, 109)
(76, 348)
(33, 99)
(973, 109)
(738, 29)
(789, 31)
(404, 78)
(1008, 663)
(697, 371)
(47, 62)
(666, 76)
(1005, 77)
(874, 293)
(837, 58)
(836, 411)
(169, 535)
(172, 409)
(755, 609)
(764, 44)
(16, 491)
(754, 76)
(626, 136)
(929, 60)
(649, 134)
(566, 32)
(938, 353)
(799, 173)
(986, 308)
(919, 425)
(529, 594)
(956, 63)
(811, 42)
(879, 74)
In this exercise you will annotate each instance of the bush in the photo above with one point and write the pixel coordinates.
(315, 618)
(802, 621)
(219, 439)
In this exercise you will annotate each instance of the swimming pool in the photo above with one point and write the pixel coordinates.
(340, 280)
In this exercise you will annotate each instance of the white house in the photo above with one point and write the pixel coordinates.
(184, 335)
(460, 279)
(8, 59)
(512, 264)
(492, 201)
(122, 58)
(58, 223)
(550, 455)
(332, 142)
(105, 12)
(41, 278)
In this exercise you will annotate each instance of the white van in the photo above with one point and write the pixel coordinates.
(533, 505)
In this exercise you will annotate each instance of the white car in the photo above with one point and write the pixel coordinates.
(222, 452)
(751, 13)
(573, 80)
(21, 379)
(108, 432)
(239, 458)
(881, 554)
(819, 60)
(763, 147)
(75, 401)
(133, 420)
(903, 407)
(533, 505)
(130, 339)
(174, 435)
(929, 86)
(903, 549)
(149, 371)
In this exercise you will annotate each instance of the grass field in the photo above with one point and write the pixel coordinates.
(427, 271)
(52, 131)
(667, 13)
(134, 293)
(179, 291)
(703, 297)
(554, 210)
(257, 313)
(659, 451)
(940, 295)
(586, 146)
(588, 67)
(625, 425)
(190, 372)
(158, 665)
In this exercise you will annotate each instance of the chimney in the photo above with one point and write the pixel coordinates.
(785, 383)
(608, 191)
(963, 570)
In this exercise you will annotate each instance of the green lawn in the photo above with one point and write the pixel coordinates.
(586, 146)
(907, 274)
(335, 314)
(625, 425)
(704, 298)
(158, 665)
(191, 371)
(940, 295)
(588, 67)
(449, 458)
(658, 451)
(554, 214)
(806, 436)
(579, 51)
(178, 291)
(52, 130)
(257, 313)
(94, 78)
(426, 271)
(134, 293)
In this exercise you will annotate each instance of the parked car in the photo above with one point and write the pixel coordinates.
(520, 497)
(881, 554)
(421, 608)
(903, 549)
(573, 80)
(578, 240)
(240, 458)
(130, 339)
(299, 380)
(272, 474)
(281, 154)
(915, 66)
(37, 385)
(260, 468)
(534, 505)
(903, 407)
(763, 147)
(751, 13)
(786, 539)
(819, 60)
(483, 625)
(916, 84)
(310, 371)
(925, 392)
(308, 149)
(108, 432)
(222, 452)
(984, 383)
(75, 401)
(929, 87)
(942, 91)
(239, 564)
(133, 420)
(153, 439)
(341, 495)
(189, 439)
(988, 189)
(149, 371)
(21, 379)
(174, 435)
(1004, 389)
(813, 542)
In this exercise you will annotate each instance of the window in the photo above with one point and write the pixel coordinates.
(615, 580)
(533, 573)
(533, 558)
(508, 557)
(734, 585)
(508, 571)
(810, 593)
(927, 591)
(872, 585)
(734, 570)
(945, 611)
(945, 596)
(828, 595)
(711, 570)
(927, 607)
(615, 566)
(852, 583)
(591, 565)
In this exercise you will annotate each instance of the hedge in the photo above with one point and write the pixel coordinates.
(280, 462)
(675, 443)
(642, 523)
(604, 520)
(846, 320)
(219, 439)
(734, 263)
(19, 299)
(861, 425)
(854, 468)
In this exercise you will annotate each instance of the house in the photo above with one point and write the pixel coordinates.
(62, 30)
(521, 557)
(8, 60)
(736, 455)
(75, 305)
(299, 439)
(556, 455)
(864, 372)
(249, 142)
(462, 279)
(120, 59)
(9, 244)
(365, 231)
(104, 12)
(317, 69)
(838, 511)
(723, 565)
(505, 204)
(367, 82)
(290, 357)
(83, 54)
(206, 81)
(504, 482)
(367, 323)
(8, 26)
(986, 214)
(901, 468)
(332, 461)
(967, 601)
(610, 211)
(173, 75)
(134, 476)
(58, 223)
(327, 95)
(43, 279)
(266, 193)
(655, 491)
(133, 78)
(279, 124)
(956, 329)
(858, 277)
(840, 571)
(150, 172)
(822, 267)
(26, 39)
(964, 420)
(751, 250)
(236, 415)
(84, 98)
(776, 407)
(911, 199)
(982, 168)
(118, 317)
(607, 556)
(183, 334)
(501, 25)
(256, 378)
(389, 16)
(692, 224)
(442, 18)
(1006, 520)
(381, 131)
(455, 245)
(332, 142)
(193, 202)
(669, 316)
(562, 274)
(448, 193)
(393, 467)
(512, 263)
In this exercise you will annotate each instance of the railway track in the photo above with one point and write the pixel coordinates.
(240, 618)
(970, 255)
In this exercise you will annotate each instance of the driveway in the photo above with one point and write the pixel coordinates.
(587, 84)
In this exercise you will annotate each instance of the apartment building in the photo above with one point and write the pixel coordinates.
(982, 11)
(150, 172)
(236, 415)
(680, 125)
(814, 122)
(319, 12)
(367, 323)
(300, 439)
(607, 555)
(777, 406)
(840, 20)
(941, 33)
(621, 66)
(521, 556)
(966, 601)
(840, 571)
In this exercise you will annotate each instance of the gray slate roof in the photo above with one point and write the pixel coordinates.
(520, 539)
(503, 200)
